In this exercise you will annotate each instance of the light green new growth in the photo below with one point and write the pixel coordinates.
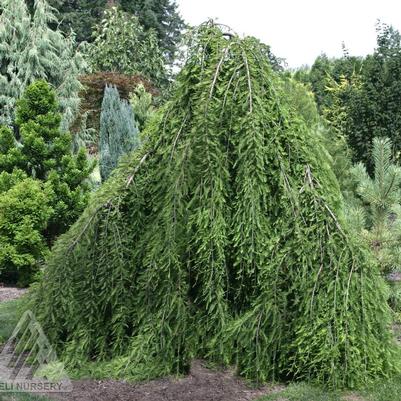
(221, 238)
(142, 105)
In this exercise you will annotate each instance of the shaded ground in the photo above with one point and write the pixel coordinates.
(9, 293)
(201, 385)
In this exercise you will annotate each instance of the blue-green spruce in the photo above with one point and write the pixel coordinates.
(118, 131)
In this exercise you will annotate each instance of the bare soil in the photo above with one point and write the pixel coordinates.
(201, 384)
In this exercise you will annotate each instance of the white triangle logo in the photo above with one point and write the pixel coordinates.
(29, 363)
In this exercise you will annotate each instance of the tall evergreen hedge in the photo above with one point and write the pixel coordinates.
(222, 237)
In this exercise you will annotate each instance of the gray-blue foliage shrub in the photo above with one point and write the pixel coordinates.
(119, 133)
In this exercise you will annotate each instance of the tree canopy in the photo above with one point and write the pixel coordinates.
(360, 96)
(122, 46)
(31, 49)
(118, 131)
(160, 16)
(236, 250)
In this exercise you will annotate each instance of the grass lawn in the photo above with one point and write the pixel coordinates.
(9, 317)
(381, 391)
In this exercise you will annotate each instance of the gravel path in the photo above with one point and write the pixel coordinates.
(9, 293)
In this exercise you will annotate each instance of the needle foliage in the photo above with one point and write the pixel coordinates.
(30, 49)
(118, 130)
(222, 237)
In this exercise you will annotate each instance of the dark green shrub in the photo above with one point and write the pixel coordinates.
(50, 180)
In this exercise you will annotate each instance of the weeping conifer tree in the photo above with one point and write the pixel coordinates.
(222, 237)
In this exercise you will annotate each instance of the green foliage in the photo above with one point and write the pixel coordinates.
(10, 313)
(47, 151)
(85, 136)
(316, 77)
(346, 95)
(387, 390)
(31, 50)
(37, 102)
(25, 214)
(380, 217)
(79, 16)
(160, 16)
(323, 71)
(118, 131)
(121, 45)
(142, 103)
(377, 217)
(222, 237)
(278, 64)
(43, 187)
(303, 101)
(360, 97)
(375, 110)
(9, 316)
(10, 153)
(92, 98)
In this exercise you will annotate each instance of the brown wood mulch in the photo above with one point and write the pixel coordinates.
(201, 384)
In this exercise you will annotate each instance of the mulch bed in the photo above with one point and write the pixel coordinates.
(10, 293)
(201, 384)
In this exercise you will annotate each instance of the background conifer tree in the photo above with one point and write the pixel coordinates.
(30, 50)
(44, 153)
(118, 131)
(162, 17)
(379, 216)
(360, 96)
